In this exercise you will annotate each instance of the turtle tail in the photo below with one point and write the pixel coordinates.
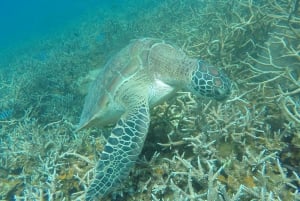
(120, 153)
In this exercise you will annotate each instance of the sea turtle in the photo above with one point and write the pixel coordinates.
(140, 76)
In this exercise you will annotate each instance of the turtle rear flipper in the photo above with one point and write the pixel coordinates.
(121, 150)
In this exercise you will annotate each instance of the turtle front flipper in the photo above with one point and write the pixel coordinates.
(122, 150)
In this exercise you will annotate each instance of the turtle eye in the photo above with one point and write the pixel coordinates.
(220, 94)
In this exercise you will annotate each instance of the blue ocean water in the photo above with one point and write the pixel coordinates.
(25, 20)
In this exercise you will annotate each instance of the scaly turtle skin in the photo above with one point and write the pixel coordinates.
(140, 76)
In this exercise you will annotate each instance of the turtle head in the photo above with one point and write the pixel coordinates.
(210, 81)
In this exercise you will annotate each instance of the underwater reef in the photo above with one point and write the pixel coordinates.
(244, 148)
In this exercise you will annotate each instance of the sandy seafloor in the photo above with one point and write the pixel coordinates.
(244, 148)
